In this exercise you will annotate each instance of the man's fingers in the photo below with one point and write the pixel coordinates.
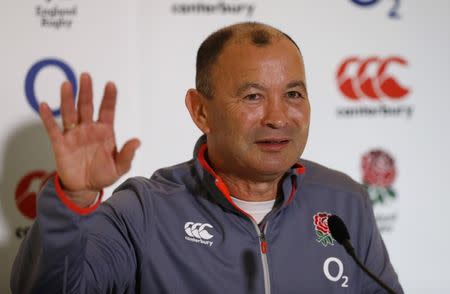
(125, 156)
(53, 131)
(108, 105)
(68, 112)
(85, 106)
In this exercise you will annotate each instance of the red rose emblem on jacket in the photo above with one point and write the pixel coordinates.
(321, 222)
(378, 168)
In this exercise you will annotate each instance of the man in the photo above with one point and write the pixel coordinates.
(243, 216)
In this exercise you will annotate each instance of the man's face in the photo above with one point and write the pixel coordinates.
(258, 118)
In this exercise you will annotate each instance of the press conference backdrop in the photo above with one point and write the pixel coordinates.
(378, 76)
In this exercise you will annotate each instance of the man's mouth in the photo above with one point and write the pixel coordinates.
(272, 141)
(273, 144)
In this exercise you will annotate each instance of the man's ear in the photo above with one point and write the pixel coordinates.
(196, 104)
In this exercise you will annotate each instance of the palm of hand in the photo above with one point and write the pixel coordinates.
(86, 156)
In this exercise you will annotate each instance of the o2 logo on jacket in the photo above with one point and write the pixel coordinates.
(393, 12)
(336, 277)
(33, 73)
(362, 84)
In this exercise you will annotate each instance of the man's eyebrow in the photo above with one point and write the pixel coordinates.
(294, 84)
(247, 86)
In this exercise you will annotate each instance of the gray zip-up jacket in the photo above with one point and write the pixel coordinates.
(180, 232)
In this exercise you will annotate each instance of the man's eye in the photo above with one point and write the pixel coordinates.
(294, 94)
(252, 97)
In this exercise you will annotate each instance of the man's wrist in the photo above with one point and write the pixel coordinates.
(81, 202)
(82, 199)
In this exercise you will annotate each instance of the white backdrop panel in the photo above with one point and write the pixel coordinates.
(148, 48)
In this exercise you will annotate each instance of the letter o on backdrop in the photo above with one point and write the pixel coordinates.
(31, 78)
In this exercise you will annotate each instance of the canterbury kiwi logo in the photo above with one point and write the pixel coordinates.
(197, 232)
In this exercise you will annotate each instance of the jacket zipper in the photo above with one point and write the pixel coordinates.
(263, 250)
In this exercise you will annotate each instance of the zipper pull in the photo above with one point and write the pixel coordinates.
(263, 241)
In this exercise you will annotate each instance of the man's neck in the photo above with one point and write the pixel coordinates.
(250, 190)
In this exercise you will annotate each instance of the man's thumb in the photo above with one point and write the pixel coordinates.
(125, 156)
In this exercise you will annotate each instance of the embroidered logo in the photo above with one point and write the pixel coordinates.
(197, 233)
(322, 230)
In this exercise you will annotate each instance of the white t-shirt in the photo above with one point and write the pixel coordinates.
(258, 210)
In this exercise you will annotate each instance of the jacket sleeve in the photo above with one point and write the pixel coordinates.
(376, 258)
(69, 250)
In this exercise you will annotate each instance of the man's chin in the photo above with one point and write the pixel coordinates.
(271, 172)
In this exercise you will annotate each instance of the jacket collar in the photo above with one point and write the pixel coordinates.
(219, 191)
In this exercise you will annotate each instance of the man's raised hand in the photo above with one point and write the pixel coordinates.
(85, 151)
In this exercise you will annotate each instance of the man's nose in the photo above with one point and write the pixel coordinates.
(275, 113)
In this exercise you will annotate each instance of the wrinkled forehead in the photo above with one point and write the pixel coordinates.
(275, 65)
(236, 44)
(243, 49)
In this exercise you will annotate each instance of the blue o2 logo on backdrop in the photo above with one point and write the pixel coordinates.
(34, 71)
(393, 12)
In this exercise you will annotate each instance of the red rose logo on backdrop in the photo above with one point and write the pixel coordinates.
(322, 230)
(379, 173)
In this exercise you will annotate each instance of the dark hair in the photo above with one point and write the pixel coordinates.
(259, 34)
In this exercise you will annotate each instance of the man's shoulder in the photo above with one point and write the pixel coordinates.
(163, 181)
(320, 175)
(137, 196)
